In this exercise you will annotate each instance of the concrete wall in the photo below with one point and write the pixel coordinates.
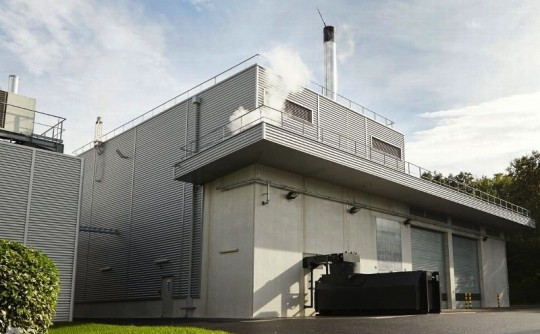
(228, 255)
(317, 222)
(287, 230)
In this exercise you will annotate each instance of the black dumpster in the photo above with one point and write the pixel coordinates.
(412, 292)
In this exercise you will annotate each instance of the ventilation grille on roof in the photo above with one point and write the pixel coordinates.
(298, 111)
(385, 147)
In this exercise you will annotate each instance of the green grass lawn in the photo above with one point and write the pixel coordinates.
(129, 329)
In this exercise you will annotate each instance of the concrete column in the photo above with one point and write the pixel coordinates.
(450, 279)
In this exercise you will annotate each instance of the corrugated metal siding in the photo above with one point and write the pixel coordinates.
(54, 204)
(221, 101)
(53, 217)
(157, 205)
(428, 254)
(15, 168)
(466, 270)
(85, 220)
(303, 97)
(111, 206)
(386, 134)
(196, 248)
(139, 197)
(306, 145)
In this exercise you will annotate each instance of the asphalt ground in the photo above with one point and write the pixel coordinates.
(494, 321)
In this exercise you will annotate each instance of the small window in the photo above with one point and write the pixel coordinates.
(385, 147)
(298, 111)
(388, 245)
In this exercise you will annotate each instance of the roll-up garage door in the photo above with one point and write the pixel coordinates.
(428, 254)
(466, 271)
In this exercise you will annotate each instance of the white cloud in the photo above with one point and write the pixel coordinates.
(202, 4)
(89, 58)
(481, 139)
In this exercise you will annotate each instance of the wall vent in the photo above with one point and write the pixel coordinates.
(385, 147)
(298, 111)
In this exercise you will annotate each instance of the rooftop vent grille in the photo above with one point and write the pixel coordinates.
(298, 111)
(386, 148)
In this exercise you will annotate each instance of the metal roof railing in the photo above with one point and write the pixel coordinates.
(336, 140)
(256, 59)
(31, 123)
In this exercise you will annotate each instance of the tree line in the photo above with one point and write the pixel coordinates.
(520, 185)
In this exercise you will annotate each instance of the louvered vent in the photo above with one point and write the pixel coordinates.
(298, 111)
(3, 102)
(385, 147)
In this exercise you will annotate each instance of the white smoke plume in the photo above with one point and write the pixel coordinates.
(346, 40)
(287, 74)
(242, 119)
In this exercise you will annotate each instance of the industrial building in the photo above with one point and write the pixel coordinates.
(40, 188)
(207, 205)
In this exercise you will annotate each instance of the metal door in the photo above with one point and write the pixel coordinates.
(428, 254)
(466, 271)
(167, 297)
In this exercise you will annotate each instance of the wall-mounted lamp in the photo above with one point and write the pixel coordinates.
(121, 155)
(484, 238)
(292, 195)
(354, 209)
(161, 261)
(407, 222)
(105, 269)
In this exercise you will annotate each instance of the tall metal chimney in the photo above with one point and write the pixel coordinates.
(13, 84)
(330, 63)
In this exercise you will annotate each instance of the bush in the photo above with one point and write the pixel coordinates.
(29, 286)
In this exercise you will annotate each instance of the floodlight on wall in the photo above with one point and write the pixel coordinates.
(484, 238)
(407, 222)
(354, 209)
(292, 195)
(121, 155)
(161, 261)
(105, 269)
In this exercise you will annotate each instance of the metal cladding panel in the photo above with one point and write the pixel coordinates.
(85, 220)
(268, 81)
(390, 174)
(157, 218)
(339, 119)
(219, 102)
(225, 148)
(185, 256)
(466, 270)
(385, 134)
(15, 169)
(428, 254)
(111, 208)
(53, 224)
(333, 117)
(196, 241)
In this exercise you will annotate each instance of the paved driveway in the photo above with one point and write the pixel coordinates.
(514, 321)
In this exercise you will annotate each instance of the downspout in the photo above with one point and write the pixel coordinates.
(194, 208)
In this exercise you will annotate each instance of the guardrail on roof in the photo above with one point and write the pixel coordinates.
(283, 120)
(256, 59)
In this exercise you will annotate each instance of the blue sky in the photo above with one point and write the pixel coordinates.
(461, 79)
